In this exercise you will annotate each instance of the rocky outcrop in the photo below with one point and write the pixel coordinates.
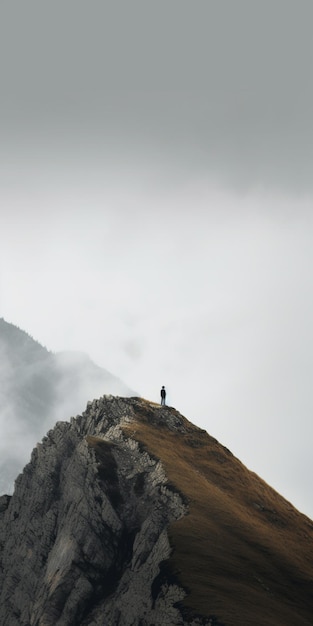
(84, 538)
(130, 515)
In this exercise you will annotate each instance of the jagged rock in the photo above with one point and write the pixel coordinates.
(129, 515)
(86, 529)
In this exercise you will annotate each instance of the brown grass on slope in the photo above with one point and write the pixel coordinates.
(243, 552)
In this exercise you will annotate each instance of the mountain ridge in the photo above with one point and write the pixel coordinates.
(131, 515)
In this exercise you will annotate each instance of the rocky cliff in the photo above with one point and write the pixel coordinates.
(130, 515)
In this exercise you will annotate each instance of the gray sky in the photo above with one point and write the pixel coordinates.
(156, 207)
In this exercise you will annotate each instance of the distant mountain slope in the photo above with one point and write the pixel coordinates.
(37, 388)
(131, 516)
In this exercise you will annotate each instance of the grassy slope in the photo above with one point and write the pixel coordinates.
(244, 553)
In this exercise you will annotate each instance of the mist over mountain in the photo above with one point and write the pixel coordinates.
(130, 515)
(38, 388)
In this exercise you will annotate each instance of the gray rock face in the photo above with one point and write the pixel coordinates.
(84, 535)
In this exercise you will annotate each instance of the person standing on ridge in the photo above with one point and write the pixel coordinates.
(163, 395)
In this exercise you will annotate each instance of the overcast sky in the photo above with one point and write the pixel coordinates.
(156, 207)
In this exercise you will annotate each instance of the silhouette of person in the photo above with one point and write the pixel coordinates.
(163, 395)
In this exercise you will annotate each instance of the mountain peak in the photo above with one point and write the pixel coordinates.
(19, 344)
(129, 514)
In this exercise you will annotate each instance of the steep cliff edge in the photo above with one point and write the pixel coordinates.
(86, 529)
(130, 515)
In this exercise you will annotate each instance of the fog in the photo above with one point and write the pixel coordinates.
(156, 208)
(38, 389)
